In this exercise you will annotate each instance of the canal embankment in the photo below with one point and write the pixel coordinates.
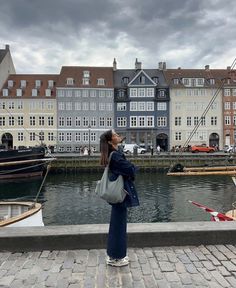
(94, 236)
(66, 163)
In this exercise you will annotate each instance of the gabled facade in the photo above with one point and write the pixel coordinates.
(28, 110)
(6, 64)
(191, 92)
(142, 106)
(85, 99)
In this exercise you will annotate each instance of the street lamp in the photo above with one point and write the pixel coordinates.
(89, 148)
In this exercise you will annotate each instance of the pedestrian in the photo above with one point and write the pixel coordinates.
(158, 149)
(117, 235)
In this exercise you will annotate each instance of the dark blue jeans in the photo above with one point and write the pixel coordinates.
(117, 237)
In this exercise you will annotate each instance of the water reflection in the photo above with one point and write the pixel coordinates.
(70, 198)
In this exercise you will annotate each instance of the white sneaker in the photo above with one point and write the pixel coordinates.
(117, 262)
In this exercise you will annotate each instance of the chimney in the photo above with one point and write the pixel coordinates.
(207, 67)
(164, 65)
(7, 47)
(228, 68)
(160, 65)
(114, 65)
(138, 65)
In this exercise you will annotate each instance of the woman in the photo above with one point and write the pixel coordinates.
(117, 237)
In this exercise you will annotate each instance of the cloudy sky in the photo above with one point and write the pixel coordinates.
(46, 34)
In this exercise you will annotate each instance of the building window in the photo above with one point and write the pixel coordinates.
(61, 137)
(22, 84)
(50, 136)
(2, 121)
(102, 121)
(234, 120)
(34, 92)
(37, 83)
(11, 121)
(102, 106)
(150, 106)
(133, 92)
(68, 106)
(212, 81)
(142, 79)
(93, 122)
(213, 120)
(5, 92)
(50, 120)
(133, 106)
(178, 136)
(85, 81)
(20, 121)
(227, 105)
(150, 92)
(10, 83)
(50, 83)
(141, 121)
(189, 121)
(41, 121)
(68, 136)
(85, 121)
(69, 81)
(41, 136)
(77, 137)
(141, 106)
(121, 121)
(18, 92)
(227, 120)
(177, 121)
(61, 121)
(20, 136)
(32, 121)
(85, 106)
(61, 106)
(226, 92)
(161, 121)
(109, 122)
(48, 92)
(32, 136)
(77, 121)
(86, 74)
(150, 121)
(141, 92)
(162, 93)
(93, 106)
(68, 121)
(121, 106)
(77, 106)
(176, 81)
(234, 92)
(133, 121)
(101, 81)
(125, 80)
(203, 121)
(161, 106)
(155, 79)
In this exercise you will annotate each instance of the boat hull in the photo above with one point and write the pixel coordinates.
(20, 214)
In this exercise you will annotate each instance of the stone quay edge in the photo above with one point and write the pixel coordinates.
(93, 236)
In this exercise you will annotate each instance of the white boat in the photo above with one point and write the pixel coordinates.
(20, 214)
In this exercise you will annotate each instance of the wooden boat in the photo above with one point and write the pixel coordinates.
(201, 171)
(25, 162)
(20, 214)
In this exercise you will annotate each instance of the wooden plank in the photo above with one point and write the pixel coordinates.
(207, 168)
(201, 173)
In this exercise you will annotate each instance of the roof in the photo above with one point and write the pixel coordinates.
(30, 84)
(76, 72)
(3, 53)
(218, 74)
(119, 74)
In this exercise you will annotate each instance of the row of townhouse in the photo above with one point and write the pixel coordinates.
(150, 107)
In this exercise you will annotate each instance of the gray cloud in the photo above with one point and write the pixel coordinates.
(46, 34)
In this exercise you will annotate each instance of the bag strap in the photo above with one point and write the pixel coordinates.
(109, 159)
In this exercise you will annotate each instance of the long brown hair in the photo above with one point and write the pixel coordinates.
(105, 147)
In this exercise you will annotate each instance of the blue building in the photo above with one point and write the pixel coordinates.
(141, 105)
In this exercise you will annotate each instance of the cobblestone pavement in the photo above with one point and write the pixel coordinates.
(188, 266)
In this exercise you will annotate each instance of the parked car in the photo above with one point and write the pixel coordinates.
(129, 148)
(202, 148)
(229, 148)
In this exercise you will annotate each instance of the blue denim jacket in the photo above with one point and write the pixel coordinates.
(119, 165)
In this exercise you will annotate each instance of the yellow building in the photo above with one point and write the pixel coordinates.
(28, 110)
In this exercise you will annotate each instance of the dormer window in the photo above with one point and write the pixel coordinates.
(50, 83)
(22, 83)
(70, 81)
(37, 83)
(142, 79)
(86, 74)
(5, 92)
(176, 81)
(155, 79)
(85, 81)
(10, 83)
(48, 92)
(101, 81)
(34, 92)
(19, 92)
(125, 80)
(212, 81)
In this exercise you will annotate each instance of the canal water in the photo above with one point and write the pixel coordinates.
(70, 198)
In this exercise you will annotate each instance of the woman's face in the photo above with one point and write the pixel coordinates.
(116, 138)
